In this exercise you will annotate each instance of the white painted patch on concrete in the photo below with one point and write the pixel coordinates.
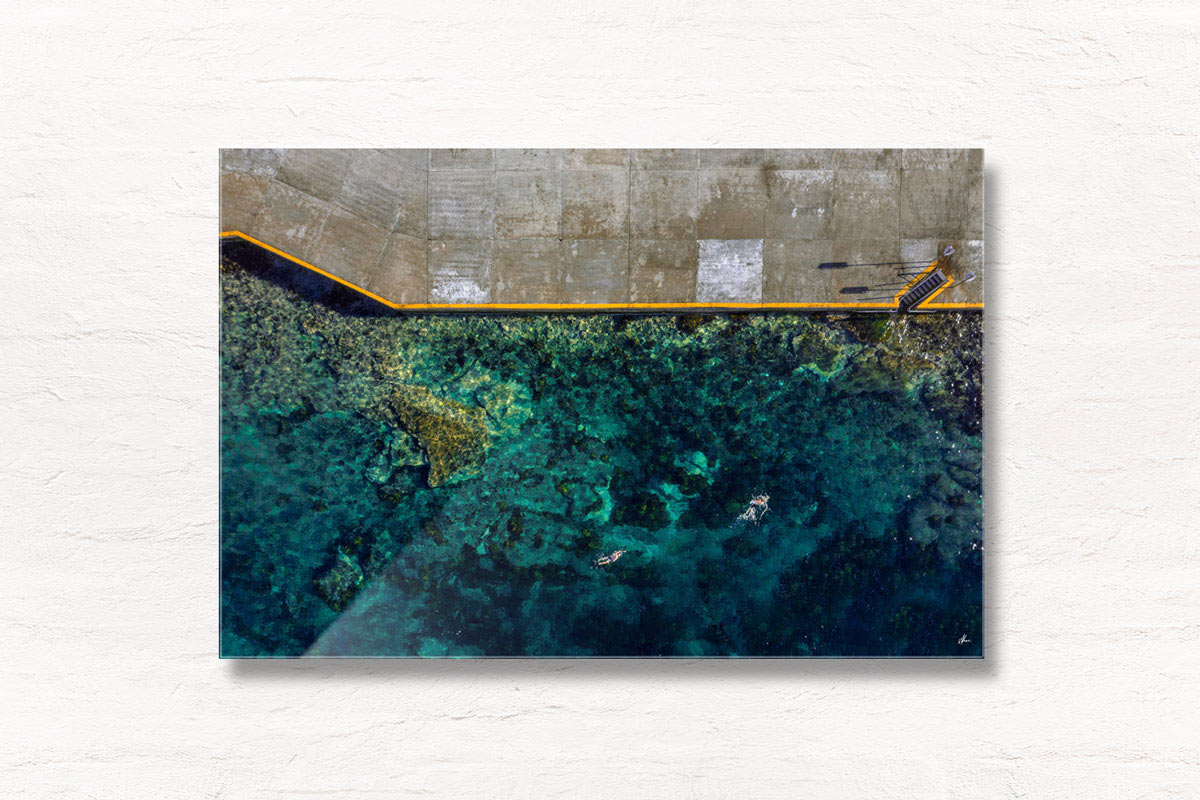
(460, 272)
(457, 289)
(730, 270)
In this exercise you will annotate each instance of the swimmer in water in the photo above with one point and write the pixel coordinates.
(757, 509)
(611, 558)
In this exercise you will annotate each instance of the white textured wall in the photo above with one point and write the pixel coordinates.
(110, 117)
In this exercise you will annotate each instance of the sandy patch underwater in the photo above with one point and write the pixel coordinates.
(445, 485)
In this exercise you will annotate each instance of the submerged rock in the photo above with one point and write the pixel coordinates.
(817, 347)
(696, 464)
(453, 436)
(340, 583)
(643, 510)
(380, 469)
(404, 451)
(509, 406)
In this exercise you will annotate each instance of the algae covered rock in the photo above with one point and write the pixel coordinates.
(338, 585)
(453, 436)
(380, 469)
(643, 510)
(509, 406)
(816, 346)
(404, 451)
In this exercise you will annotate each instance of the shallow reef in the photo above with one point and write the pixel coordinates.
(453, 436)
(443, 485)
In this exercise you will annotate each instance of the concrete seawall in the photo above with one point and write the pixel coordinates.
(480, 229)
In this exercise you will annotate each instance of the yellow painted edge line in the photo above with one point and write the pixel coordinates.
(306, 265)
(824, 305)
(578, 306)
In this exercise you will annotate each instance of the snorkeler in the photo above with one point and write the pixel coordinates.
(611, 558)
(757, 509)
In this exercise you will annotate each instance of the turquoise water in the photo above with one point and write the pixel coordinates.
(445, 485)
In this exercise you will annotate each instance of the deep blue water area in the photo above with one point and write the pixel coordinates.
(440, 485)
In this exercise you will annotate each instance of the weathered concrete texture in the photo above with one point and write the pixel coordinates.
(800, 204)
(528, 159)
(595, 203)
(866, 204)
(663, 159)
(467, 226)
(461, 159)
(937, 203)
(253, 162)
(879, 262)
(869, 159)
(662, 270)
(732, 203)
(350, 247)
(663, 204)
(462, 204)
(528, 204)
(402, 276)
(291, 220)
(787, 270)
(386, 190)
(595, 271)
(361, 215)
(243, 195)
(528, 271)
(595, 159)
(319, 173)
